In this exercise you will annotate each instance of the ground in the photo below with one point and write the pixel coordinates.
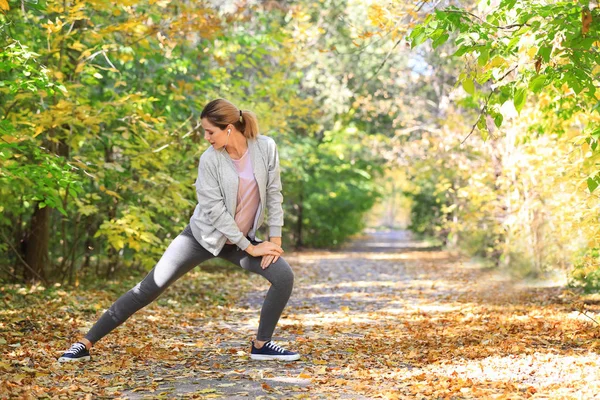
(385, 317)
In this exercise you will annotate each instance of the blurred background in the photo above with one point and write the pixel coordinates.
(473, 125)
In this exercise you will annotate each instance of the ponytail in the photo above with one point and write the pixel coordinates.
(221, 112)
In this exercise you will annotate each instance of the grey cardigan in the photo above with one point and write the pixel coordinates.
(217, 186)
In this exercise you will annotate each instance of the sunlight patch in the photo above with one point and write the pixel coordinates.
(538, 369)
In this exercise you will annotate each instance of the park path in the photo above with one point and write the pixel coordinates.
(384, 317)
(336, 294)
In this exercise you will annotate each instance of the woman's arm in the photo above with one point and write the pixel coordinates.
(274, 196)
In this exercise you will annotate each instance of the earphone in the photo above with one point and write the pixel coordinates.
(228, 133)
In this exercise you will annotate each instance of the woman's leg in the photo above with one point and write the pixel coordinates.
(182, 255)
(280, 275)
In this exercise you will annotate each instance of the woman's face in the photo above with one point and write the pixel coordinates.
(216, 137)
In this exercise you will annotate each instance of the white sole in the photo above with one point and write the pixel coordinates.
(263, 357)
(67, 359)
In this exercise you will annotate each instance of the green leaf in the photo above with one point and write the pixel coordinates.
(587, 43)
(484, 56)
(483, 130)
(498, 118)
(416, 36)
(462, 50)
(508, 4)
(240, 58)
(574, 82)
(440, 40)
(482, 78)
(519, 99)
(469, 86)
(592, 184)
(418, 40)
(512, 42)
(545, 52)
(537, 83)
(484, 134)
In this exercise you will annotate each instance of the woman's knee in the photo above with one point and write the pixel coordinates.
(283, 273)
(146, 291)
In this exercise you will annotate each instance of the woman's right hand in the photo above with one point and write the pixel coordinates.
(264, 249)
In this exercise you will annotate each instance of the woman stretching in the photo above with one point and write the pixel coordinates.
(238, 178)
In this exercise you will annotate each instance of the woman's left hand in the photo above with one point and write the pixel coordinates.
(268, 260)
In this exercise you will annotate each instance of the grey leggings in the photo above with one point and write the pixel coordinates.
(182, 255)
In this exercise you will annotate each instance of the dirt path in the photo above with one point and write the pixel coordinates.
(386, 317)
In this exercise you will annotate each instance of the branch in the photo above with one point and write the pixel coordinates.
(484, 108)
(415, 9)
(23, 261)
(383, 62)
(506, 74)
(511, 26)
(10, 108)
(481, 112)
(583, 313)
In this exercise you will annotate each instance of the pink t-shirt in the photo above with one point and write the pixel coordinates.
(248, 197)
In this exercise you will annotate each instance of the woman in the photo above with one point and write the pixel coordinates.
(238, 178)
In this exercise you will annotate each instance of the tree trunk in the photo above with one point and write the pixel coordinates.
(36, 255)
(299, 242)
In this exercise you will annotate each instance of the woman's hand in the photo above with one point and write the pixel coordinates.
(271, 259)
(264, 249)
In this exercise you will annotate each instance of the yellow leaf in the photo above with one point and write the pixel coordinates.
(133, 244)
(11, 139)
(345, 309)
(38, 129)
(19, 377)
(133, 350)
(77, 46)
(118, 244)
(304, 375)
(5, 366)
(111, 193)
(496, 62)
(4, 5)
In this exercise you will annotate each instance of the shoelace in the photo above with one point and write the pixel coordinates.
(76, 348)
(273, 346)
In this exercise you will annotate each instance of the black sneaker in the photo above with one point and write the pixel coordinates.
(77, 352)
(270, 351)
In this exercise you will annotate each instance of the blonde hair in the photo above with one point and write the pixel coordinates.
(221, 112)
